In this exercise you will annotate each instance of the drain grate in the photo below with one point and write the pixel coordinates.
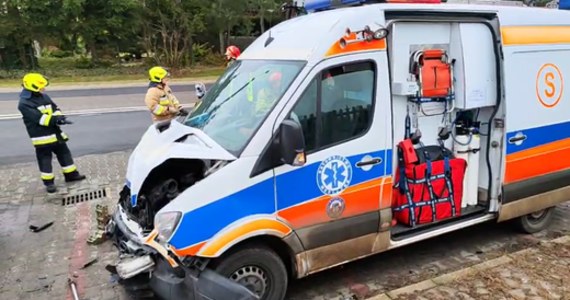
(79, 198)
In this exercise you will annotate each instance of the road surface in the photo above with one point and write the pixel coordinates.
(105, 120)
(90, 134)
(89, 100)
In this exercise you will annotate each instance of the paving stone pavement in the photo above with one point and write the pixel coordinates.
(38, 265)
(540, 272)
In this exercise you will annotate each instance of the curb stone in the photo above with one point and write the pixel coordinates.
(449, 277)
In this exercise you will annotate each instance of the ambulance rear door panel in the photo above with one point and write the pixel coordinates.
(335, 197)
(538, 120)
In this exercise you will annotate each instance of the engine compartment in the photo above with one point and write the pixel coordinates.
(163, 184)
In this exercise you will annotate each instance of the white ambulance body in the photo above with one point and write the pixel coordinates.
(309, 182)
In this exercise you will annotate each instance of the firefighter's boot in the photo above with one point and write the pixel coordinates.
(74, 176)
(51, 188)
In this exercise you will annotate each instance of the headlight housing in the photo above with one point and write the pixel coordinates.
(165, 223)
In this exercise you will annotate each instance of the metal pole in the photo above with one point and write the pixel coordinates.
(73, 289)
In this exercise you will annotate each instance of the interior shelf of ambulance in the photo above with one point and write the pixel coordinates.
(444, 92)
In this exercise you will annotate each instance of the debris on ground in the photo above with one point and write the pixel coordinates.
(98, 237)
(89, 263)
(34, 228)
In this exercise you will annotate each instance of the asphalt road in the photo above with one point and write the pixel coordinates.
(90, 134)
(100, 92)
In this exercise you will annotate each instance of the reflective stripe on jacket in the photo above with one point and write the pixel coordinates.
(38, 111)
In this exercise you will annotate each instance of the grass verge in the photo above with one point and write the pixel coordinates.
(203, 74)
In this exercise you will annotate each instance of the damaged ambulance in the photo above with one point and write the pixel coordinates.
(348, 132)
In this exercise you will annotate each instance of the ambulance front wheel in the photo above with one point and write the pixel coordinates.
(536, 221)
(258, 268)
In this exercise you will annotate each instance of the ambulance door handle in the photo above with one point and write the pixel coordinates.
(373, 161)
(518, 138)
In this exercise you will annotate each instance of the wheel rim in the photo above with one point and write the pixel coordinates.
(252, 277)
(537, 216)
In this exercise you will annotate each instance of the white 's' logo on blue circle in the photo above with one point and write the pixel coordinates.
(334, 175)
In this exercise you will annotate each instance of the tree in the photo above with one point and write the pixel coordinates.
(224, 15)
(263, 8)
(15, 36)
(102, 24)
(169, 29)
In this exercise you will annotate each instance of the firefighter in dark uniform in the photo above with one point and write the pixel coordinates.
(42, 118)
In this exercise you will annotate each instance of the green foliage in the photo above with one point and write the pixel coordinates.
(88, 34)
(213, 59)
(201, 50)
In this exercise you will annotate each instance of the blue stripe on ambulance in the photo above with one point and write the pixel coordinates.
(539, 136)
(203, 223)
(287, 197)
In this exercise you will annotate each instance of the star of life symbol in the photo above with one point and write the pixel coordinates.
(334, 175)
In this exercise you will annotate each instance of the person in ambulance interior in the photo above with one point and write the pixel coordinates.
(265, 98)
(42, 118)
(159, 99)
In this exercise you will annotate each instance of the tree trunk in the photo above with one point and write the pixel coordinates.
(190, 53)
(23, 58)
(228, 34)
(222, 45)
(93, 49)
(262, 23)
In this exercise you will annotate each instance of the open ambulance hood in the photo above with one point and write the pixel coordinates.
(176, 141)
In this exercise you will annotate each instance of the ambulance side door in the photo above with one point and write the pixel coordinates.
(334, 199)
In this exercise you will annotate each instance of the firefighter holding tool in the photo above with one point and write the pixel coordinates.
(159, 99)
(42, 118)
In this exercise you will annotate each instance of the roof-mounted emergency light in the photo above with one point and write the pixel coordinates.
(415, 1)
(320, 5)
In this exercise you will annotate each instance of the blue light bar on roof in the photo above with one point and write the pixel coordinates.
(318, 5)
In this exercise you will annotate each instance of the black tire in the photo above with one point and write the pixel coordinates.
(536, 221)
(256, 259)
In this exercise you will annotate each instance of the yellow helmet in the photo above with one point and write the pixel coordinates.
(156, 74)
(34, 82)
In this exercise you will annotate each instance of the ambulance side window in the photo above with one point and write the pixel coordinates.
(305, 112)
(337, 105)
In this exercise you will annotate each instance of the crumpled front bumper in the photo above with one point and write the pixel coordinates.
(166, 281)
(208, 285)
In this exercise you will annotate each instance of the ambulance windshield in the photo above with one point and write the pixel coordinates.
(239, 101)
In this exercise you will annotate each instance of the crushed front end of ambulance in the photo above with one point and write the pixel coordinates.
(169, 159)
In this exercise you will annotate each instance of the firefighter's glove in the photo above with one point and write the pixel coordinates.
(61, 120)
(183, 112)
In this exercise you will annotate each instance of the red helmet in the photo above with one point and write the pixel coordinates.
(232, 52)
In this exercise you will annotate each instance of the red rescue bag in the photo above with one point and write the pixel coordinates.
(429, 191)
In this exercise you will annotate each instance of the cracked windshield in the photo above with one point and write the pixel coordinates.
(235, 106)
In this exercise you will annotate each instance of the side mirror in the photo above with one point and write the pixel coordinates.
(200, 90)
(292, 143)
